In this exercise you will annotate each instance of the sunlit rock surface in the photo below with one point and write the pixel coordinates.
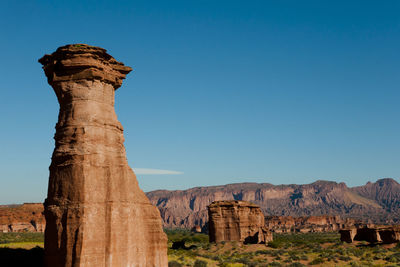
(96, 214)
(237, 221)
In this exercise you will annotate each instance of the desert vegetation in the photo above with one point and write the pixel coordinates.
(294, 249)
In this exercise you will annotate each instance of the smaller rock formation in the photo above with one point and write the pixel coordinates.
(307, 224)
(27, 217)
(237, 221)
(371, 234)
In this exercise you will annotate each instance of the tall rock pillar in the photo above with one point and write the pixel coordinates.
(96, 214)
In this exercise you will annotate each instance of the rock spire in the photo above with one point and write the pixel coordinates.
(96, 214)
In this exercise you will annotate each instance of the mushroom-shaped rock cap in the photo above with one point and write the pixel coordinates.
(83, 62)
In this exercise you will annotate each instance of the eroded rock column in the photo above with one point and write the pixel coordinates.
(96, 214)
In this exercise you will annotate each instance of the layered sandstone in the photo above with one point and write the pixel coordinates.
(371, 234)
(305, 224)
(96, 214)
(237, 221)
(27, 217)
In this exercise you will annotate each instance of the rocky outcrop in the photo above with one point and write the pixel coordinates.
(279, 224)
(237, 221)
(27, 217)
(347, 235)
(305, 224)
(188, 208)
(96, 214)
(374, 202)
(371, 234)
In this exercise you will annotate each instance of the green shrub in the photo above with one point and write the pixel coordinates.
(200, 263)
(317, 261)
(378, 257)
(344, 258)
(186, 235)
(296, 264)
(294, 257)
(174, 264)
(6, 238)
(304, 257)
(263, 252)
(275, 244)
(274, 264)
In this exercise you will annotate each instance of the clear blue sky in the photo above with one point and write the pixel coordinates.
(222, 91)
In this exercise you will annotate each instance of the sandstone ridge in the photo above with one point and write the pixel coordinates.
(285, 205)
(306, 224)
(188, 208)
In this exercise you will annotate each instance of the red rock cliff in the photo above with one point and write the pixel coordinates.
(188, 208)
(27, 217)
(323, 223)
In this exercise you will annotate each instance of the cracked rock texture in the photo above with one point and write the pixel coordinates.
(237, 221)
(96, 214)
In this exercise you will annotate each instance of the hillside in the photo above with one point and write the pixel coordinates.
(377, 202)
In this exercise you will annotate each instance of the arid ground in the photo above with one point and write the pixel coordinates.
(317, 249)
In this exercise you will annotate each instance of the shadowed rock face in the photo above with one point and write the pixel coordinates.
(237, 221)
(371, 234)
(95, 212)
(347, 235)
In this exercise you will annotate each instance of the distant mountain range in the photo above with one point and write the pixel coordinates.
(377, 202)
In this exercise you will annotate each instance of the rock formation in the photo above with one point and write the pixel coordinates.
(306, 224)
(347, 235)
(371, 234)
(237, 221)
(377, 202)
(27, 217)
(96, 214)
(292, 207)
